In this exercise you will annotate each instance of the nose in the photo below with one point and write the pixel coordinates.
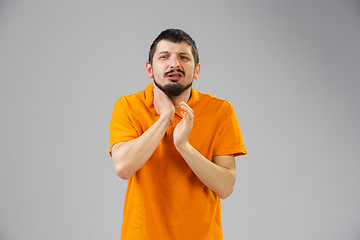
(174, 62)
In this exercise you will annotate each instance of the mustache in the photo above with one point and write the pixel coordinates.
(172, 71)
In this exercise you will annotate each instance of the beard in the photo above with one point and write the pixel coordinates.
(173, 89)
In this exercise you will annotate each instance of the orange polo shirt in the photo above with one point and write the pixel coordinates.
(165, 199)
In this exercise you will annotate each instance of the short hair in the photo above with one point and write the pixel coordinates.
(175, 36)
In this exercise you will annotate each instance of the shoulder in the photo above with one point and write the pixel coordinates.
(211, 102)
(135, 98)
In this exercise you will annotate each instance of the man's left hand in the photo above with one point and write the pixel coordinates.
(183, 128)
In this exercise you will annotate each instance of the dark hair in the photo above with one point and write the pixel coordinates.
(175, 36)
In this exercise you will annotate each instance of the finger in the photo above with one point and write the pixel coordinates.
(188, 111)
(182, 103)
(155, 92)
(186, 108)
(186, 117)
(180, 125)
(158, 94)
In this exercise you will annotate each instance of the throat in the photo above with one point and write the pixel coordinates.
(184, 97)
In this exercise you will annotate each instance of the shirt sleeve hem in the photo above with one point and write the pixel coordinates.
(235, 152)
(117, 140)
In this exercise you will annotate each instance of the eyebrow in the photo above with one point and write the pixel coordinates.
(163, 52)
(184, 53)
(180, 53)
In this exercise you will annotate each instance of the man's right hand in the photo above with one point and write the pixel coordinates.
(129, 157)
(163, 104)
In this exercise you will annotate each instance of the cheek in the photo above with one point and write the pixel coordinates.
(158, 76)
(158, 70)
(191, 70)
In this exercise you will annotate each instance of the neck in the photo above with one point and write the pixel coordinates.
(185, 96)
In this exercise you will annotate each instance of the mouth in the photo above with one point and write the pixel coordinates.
(174, 76)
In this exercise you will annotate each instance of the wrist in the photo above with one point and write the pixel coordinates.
(183, 147)
(167, 117)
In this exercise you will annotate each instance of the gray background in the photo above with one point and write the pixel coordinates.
(290, 68)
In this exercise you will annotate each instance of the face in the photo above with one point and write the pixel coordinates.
(173, 68)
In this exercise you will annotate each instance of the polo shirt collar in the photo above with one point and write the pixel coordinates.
(149, 97)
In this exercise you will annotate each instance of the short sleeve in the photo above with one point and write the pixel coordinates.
(230, 140)
(121, 127)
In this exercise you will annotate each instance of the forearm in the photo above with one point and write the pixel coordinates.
(130, 156)
(219, 179)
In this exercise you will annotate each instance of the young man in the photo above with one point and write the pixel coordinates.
(176, 147)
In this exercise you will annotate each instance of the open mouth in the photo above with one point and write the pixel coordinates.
(174, 76)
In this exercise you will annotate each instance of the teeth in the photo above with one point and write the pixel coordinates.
(175, 75)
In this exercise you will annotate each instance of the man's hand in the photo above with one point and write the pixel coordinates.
(219, 174)
(129, 157)
(183, 128)
(163, 104)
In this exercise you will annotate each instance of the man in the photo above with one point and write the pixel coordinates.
(176, 147)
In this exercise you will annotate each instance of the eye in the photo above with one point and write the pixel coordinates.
(163, 57)
(184, 57)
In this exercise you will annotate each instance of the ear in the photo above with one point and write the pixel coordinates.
(149, 71)
(197, 71)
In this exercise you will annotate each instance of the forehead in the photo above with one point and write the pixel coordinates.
(167, 46)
